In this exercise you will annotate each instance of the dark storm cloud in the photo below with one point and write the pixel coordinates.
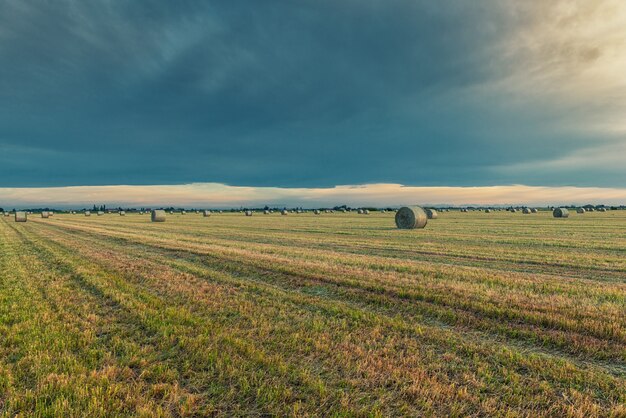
(302, 93)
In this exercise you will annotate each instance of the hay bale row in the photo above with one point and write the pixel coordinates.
(411, 217)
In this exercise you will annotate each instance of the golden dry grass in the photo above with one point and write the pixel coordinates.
(479, 314)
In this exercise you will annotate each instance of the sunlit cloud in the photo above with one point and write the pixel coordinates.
(213, 195)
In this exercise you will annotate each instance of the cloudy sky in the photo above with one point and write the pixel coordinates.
(311, 94)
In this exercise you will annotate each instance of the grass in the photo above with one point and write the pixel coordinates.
(479, 314)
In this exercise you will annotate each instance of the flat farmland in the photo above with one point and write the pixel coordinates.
(499, 314)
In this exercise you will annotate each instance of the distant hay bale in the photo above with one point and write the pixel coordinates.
(487, 210)
(366, 212)
(122, 213)
(534, 210)
(580, 210)
(7, 214)
(284, 212)
(560, 213)
(20, 216)
(266, 212)
(526, 211)
(431, 213)
(50, 214)
(317, 212)
(343, 211)
(206, 213)
(248, 213)
(100, 213)
(411, 217)
(182, 212)
(157, 216)
(87, 213)
(45, 214)
(602, 210)
(360, 212)
(590, 210)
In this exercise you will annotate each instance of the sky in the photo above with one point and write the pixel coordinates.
(311, 95)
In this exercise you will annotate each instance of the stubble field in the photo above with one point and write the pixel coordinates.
(479, 314)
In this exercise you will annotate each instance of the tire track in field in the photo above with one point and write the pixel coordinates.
(113, 324)
(390, 291)
(443, 257)
(386, 303)
(137, 304)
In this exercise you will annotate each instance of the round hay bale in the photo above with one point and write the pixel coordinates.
(590, 210)
(7, 214)
(266, 212)
(87, 213)
(317, 212)
(602, 210)
(560, 213)
(45, 214)
(431, 213)
(534, 210)
(100, 213)
(360, 212)
(248, 213)
(487, 210)
(50, 214)
(526, 211)
(157, 216)
(206, 213)
(411, 217)
(122, 213)
(284, 212)
(366, 212)
(580, 210)
(21, 216)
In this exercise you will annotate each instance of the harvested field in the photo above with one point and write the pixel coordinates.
(341, 314)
